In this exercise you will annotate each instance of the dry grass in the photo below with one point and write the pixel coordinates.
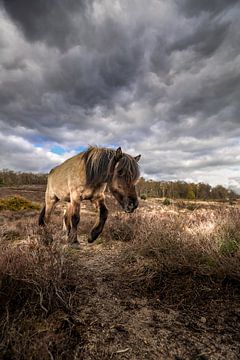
(160, 274)
(38, 298)
(200, 243)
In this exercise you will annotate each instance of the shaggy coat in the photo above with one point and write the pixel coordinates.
(85, 177)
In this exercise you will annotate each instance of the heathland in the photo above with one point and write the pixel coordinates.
(161, 283)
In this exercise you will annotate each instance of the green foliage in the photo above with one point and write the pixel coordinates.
(166, 201)
(143, 196)
(229, 247)
(208, 261)
(17, 203)
(191, 207)
(190, 194)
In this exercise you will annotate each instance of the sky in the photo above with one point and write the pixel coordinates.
(158, 78)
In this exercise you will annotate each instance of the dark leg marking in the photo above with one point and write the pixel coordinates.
(41, 217)
(98, 227)
(75, 218)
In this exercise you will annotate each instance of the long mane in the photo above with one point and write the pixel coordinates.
(128, 168)
(97, 162)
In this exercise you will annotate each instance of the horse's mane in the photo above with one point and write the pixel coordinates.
(97, 162)
(128, 168)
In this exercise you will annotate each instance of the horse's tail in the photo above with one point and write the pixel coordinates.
(41, 221)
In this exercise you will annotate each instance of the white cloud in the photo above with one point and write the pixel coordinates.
(158, 78)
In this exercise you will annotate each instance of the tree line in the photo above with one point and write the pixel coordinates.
(183, 190)
(145, 188)
(11, 178)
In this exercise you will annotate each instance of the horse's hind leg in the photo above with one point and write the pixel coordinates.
(98, 227)
(74, 220)
(50, 202)
(45, 216)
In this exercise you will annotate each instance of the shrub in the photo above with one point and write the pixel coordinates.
(191, 206)
(143, 196)
(35, 283)
(166, 201)
(190, 195)
(17, 203)
(120, 227)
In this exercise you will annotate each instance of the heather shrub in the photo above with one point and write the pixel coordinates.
(121, 227)
(36, 283)
(203, 243)
(17, 203)
(166, 201)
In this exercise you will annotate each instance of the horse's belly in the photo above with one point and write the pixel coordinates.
(87, 194)
(91, 193)
(65, 198)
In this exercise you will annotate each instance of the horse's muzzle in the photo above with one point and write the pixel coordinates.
(130, 207)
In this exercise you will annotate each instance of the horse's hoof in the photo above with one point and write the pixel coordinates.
(90, 240)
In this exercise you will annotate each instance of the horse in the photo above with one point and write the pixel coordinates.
(86, 176)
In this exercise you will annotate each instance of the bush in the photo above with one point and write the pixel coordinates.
(191, 195)
(17, 203)
(166, 202)
(143, 196)
(192, 206)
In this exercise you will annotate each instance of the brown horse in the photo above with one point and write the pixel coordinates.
(85, 177)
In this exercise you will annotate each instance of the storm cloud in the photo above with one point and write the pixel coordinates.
(159, 78)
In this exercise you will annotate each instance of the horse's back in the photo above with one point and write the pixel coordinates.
(67, 176)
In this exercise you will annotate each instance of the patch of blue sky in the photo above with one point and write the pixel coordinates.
(80, 148)
(38, 141)
(56, 149)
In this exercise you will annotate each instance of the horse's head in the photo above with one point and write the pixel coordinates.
(124, 173)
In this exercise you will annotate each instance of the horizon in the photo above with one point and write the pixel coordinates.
(159, 79)
(141, 178)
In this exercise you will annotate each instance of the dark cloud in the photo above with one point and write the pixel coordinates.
(49, 21)
(195, 8)
(159, 78)
(205, 40)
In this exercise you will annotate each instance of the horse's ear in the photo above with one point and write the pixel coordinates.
(137, 158)
(119, 154)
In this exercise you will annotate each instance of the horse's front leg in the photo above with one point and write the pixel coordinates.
(74, 212)
(98, 227)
